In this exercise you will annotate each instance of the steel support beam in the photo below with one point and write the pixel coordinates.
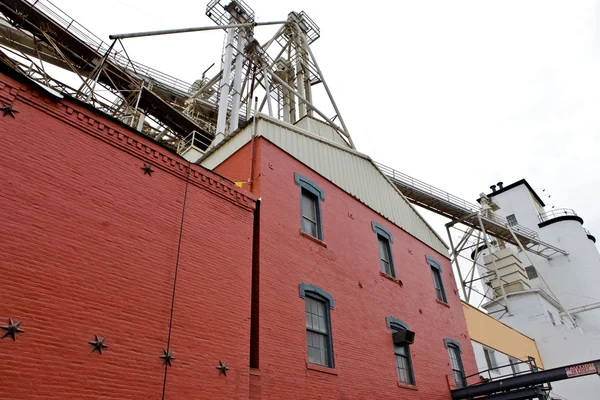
(197, 29)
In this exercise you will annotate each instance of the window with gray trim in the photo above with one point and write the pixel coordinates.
(311, 196)
(512, 220)
(436, 274)
(317, 304)
(402, 339)
(384, 240)
(385, 256)
(458, 372)
(310, 214)
(404, 364)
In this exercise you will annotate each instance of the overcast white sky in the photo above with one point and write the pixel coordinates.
(460, 94)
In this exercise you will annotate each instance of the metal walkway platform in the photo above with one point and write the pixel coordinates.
(457, 209)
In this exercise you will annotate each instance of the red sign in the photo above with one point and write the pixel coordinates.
(581, 369)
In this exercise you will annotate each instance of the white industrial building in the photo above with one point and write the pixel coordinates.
(553, 299)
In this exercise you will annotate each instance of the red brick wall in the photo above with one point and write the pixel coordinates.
(347, 267)
(89, 246)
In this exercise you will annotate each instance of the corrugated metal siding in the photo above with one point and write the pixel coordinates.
(317, 127)
(353, 172)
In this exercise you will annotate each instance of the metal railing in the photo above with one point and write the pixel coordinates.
(462, 206)
(54, 13)
(492, 374)
(556, 213)
(428, 189)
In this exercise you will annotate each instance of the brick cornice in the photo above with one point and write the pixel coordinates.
(103, 127)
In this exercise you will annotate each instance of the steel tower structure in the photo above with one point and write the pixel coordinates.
(281, 72)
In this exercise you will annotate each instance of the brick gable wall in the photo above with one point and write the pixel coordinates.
(346, 265)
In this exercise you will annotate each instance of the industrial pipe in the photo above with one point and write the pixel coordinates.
(527, 380)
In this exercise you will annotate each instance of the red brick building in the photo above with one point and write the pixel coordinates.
(339, 263)
(92, 244)
(315, 291)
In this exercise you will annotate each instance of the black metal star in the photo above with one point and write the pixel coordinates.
(222, 368)
(12, 329)
(98, 344)
(167, 357)
(8, 110)
(147, 169)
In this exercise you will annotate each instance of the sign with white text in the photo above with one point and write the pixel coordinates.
(582, 369)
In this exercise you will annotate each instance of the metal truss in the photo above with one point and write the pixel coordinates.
(282, 72)
(477, 227)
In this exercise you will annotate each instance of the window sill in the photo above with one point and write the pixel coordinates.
(391, 278)
(442, 303)
(407, 386)
(314, 239)
(321, 369)
(255, 371)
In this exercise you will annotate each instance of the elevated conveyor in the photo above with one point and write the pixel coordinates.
(457, 209)
(40, 29)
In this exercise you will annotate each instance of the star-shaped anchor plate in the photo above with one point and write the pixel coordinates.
(147, 169)
(98, 344)
(222, 368)
(8, 110)
(167, 357)
(11, 329)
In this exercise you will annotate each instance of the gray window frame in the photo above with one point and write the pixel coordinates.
(512, 220)
(436, 272)
(396, 324)
(454, 346)
(318, 294)
(311, 189)
(387, 239)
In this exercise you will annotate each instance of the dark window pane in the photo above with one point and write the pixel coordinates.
(437, 283)
(403, 364)
(403, 373)
(384, 255)
(317, 348)
(383, 249)
(531, 272)
(309, 227)
(400, 350)
(458, 378)
(309, 205)
(317, 331)
(456, 364)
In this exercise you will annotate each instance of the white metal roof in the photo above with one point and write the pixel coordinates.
(353, 172)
